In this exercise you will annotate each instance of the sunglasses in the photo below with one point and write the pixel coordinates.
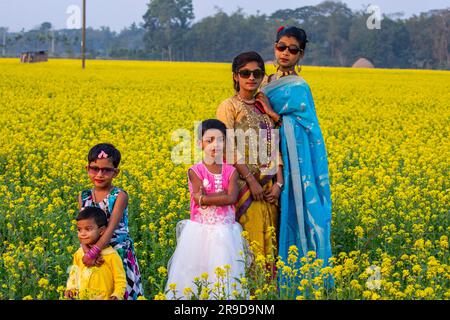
(96, 170)
(292, 49)
(257, 74)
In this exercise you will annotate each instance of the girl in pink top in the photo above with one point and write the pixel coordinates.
(211, 238)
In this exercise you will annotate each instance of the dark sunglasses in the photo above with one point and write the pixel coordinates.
(292, 49)
(96, 170)
(258, 73)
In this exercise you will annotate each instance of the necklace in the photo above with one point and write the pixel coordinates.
(252, 118)
(251, 101)
(281, 73)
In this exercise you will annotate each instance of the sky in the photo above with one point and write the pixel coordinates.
(117, 14)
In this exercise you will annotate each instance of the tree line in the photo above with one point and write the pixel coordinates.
(337, 35)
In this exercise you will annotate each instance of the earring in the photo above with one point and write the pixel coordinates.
(299, 68)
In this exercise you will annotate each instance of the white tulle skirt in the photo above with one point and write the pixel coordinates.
(202, 248)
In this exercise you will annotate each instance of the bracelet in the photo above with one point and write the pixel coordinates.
(247, 175)
(94, 252)
(96, 249)
(200, 202)
(91, 255)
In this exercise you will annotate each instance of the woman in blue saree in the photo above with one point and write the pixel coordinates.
(305, 219)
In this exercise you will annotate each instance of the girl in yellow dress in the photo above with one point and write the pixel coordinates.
(259, 166)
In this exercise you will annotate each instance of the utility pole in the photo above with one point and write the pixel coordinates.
(83, 45)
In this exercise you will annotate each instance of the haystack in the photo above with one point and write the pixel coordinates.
(363, 63)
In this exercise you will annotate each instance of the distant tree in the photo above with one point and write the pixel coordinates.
(166, 23)
(3, 39)
(430, 39)
(337, 35)
(45, 27)
(387, 47)
(129, 44)
(222, 36)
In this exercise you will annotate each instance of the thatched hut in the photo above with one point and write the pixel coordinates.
(33, 56)
(363, 63)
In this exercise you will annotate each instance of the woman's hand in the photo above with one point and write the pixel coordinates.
(256, 189)
(88, 261)
(267, 107)
(273, 194)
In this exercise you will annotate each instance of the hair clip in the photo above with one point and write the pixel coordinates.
(280, 28)
(102, 154)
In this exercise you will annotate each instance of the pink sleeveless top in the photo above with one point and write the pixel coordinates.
(212, 183)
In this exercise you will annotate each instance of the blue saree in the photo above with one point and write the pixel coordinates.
(305, 219)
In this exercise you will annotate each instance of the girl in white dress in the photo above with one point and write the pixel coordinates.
(211, 238)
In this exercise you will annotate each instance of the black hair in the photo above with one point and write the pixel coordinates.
(109, 149)
(241, 60)
(297, 33)
(95, 213)
(211, 124)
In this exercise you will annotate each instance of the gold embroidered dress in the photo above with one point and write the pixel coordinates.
(256, 217)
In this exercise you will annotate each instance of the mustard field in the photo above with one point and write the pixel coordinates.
(387, 138)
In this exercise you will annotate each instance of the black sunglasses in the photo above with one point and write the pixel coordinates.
(292, 49)
(257, 73)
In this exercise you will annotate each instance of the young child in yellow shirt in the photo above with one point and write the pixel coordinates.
(106, 282)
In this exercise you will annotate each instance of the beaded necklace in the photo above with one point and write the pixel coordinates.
(252, 118)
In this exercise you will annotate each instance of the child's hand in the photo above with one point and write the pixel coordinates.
(201, 192)
(113, 298)
(70, 294)
(99, 261)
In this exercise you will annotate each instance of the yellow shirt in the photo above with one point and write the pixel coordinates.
(98, 283)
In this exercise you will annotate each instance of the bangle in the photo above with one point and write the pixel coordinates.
(96, 249)
(91, 255)
(200, 202)
(94, 252)
(247, 175)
